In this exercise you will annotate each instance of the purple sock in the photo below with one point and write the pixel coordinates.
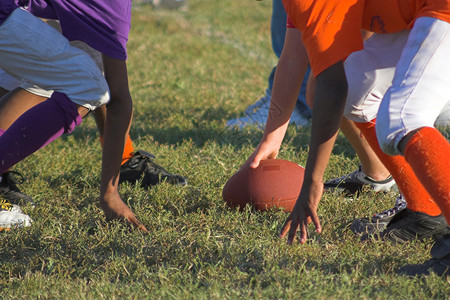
(2, 131)
(36, 128)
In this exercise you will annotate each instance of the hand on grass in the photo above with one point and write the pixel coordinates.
(305, 212)
(115, 208)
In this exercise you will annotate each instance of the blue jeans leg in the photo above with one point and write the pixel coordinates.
(278, 31)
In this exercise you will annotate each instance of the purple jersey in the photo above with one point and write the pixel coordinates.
(102, 24)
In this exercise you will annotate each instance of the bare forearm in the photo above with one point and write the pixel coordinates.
(100, 118)
(329, 101)
(117, 123)
(118, 119)
(289, 75)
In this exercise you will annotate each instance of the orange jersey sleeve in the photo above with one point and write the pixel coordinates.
(439, 9)
(330, 29)
(388, 16)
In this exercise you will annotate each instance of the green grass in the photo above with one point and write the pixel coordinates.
(190, 71)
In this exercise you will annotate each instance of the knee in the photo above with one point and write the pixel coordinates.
(67, 108)
(387, 137)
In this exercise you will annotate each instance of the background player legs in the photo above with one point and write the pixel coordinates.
(372, 172)
(256, 114)
(371, 165)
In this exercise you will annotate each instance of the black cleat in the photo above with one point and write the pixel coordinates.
(141, 166)
(10, 192)
(438, 264)
(410, 225)
(378, 222)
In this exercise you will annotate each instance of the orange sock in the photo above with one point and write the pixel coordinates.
(409, 185)
(128, 150)
(427, 152)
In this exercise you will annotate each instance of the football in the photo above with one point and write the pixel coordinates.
(275, 183)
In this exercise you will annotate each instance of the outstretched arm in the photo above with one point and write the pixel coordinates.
(118, 120)
(289, 74)
(329, 101)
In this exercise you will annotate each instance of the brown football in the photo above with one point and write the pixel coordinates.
(275, 183)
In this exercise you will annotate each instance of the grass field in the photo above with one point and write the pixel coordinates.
(189, 72)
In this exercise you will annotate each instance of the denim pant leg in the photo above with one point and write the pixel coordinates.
(278, 31)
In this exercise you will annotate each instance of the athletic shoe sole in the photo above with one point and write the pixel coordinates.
(409, 225)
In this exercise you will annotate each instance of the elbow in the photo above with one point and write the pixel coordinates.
(332, 86)
(120, 101)
(333, 94)
(340, 90)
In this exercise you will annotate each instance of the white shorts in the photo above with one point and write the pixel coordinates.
(370, 73)
(42, 58)
(420, 89)
(8, 82)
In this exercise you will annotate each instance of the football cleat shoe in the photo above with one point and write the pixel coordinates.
(142, 167)
(438, 264)
(408, 225)
(354, 182)
(378, 222)
(11, 216)
(10, 192)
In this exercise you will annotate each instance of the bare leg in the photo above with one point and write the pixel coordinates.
(37, 127)
(370, 163)
(14, 104)
(100, 117)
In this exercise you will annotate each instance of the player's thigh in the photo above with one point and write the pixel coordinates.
(14, 104)
(421, 84)
(37, 53)
(369, 74)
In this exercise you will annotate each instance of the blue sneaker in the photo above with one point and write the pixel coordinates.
(169, 4)
(256, 115)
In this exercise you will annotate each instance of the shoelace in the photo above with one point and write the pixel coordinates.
(138, 157)
(5, 205)
(400, 204)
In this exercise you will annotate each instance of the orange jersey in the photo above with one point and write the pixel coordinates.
(331, 28)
